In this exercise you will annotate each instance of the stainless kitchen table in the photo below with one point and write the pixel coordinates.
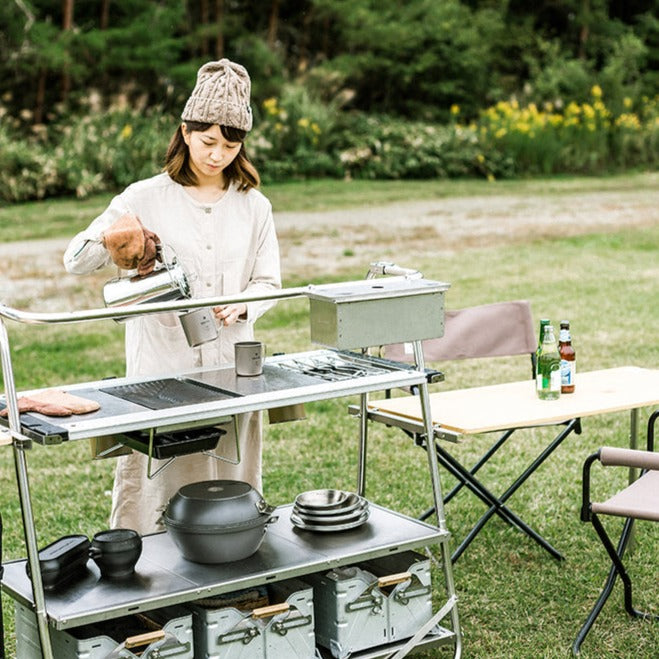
(210, 397)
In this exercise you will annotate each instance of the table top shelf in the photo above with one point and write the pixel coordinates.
(515, 404)
(163, 577)
(223, 394)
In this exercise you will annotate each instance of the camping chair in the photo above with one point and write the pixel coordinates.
(639, 500)
(489, 330)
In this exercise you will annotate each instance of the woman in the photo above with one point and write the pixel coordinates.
(206, 209)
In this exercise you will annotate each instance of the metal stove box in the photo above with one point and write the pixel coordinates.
(372, 603)
(165, 632)
(281, 629)
(375, 312)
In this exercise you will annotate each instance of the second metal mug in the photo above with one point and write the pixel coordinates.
(249, 356)
(199, 326)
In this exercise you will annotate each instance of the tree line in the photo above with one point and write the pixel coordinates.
(404, 58)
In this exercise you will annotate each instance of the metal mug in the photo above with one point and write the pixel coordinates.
(249, 357)
(199, 326)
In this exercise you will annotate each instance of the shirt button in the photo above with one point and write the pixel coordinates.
(207, 209)
(208, 284)
(209, 247)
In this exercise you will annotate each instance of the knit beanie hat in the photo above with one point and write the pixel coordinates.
(221, 96)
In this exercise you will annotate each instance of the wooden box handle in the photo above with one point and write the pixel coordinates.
(144, 639)
(272, 610)
(393, 579)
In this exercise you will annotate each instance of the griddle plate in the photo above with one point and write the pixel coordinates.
(166, 393)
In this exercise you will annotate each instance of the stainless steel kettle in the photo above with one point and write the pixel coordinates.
(168, 281)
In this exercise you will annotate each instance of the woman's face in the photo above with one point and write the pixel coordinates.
(210, 152)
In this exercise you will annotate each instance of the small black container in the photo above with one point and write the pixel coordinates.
(62, 561)
(116, 552)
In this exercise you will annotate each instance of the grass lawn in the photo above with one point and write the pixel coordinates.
(515, 601)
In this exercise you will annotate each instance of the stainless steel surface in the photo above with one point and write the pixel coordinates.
(273, 378)
(162, 576)
(375, 289)
(276, 387)
(376, 312)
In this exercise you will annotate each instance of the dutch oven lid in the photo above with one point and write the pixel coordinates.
(216, 505)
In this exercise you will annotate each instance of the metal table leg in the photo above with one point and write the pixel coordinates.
(438, 500)
(20, 462)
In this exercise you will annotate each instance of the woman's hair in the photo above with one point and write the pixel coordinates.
(241, 170)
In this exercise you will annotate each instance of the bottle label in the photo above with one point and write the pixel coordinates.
(568, 371)
(555, 380)
(548, 378)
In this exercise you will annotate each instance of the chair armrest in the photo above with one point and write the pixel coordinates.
(627, 457)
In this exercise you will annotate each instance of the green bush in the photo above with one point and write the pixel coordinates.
(299, 136)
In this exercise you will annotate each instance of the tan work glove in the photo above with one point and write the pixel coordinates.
(131, 245)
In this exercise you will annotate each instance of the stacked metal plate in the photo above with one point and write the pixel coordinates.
(329, 511)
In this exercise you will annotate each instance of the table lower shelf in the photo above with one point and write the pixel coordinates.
(163, 577)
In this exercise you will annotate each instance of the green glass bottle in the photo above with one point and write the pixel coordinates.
(543, 323)
(548, 378)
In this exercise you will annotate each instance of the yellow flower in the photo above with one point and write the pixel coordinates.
(480, 157)
(596, 91)
(303, 122)
(627, 102)
(126, 132)
(270, 104)
(490, 177)
(588, 111)
(572, 108)
(455, 109)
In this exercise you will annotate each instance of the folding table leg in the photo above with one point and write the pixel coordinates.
(574, 425)
(496, 506)
(482, 460)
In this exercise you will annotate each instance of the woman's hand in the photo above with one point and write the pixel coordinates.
(230, 313)
(131, 245)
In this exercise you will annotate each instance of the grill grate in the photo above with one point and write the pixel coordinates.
(166, 393)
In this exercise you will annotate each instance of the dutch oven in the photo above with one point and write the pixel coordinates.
(217, 521)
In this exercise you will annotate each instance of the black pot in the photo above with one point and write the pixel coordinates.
(217, 521)
(116, 552)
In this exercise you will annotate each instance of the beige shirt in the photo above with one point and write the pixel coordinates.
(228, 247)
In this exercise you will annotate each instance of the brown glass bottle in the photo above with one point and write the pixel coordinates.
(568, 359)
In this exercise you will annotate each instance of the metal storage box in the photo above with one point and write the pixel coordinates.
(282, 629)
(166, 632)
(373, 603)
(374, 312)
